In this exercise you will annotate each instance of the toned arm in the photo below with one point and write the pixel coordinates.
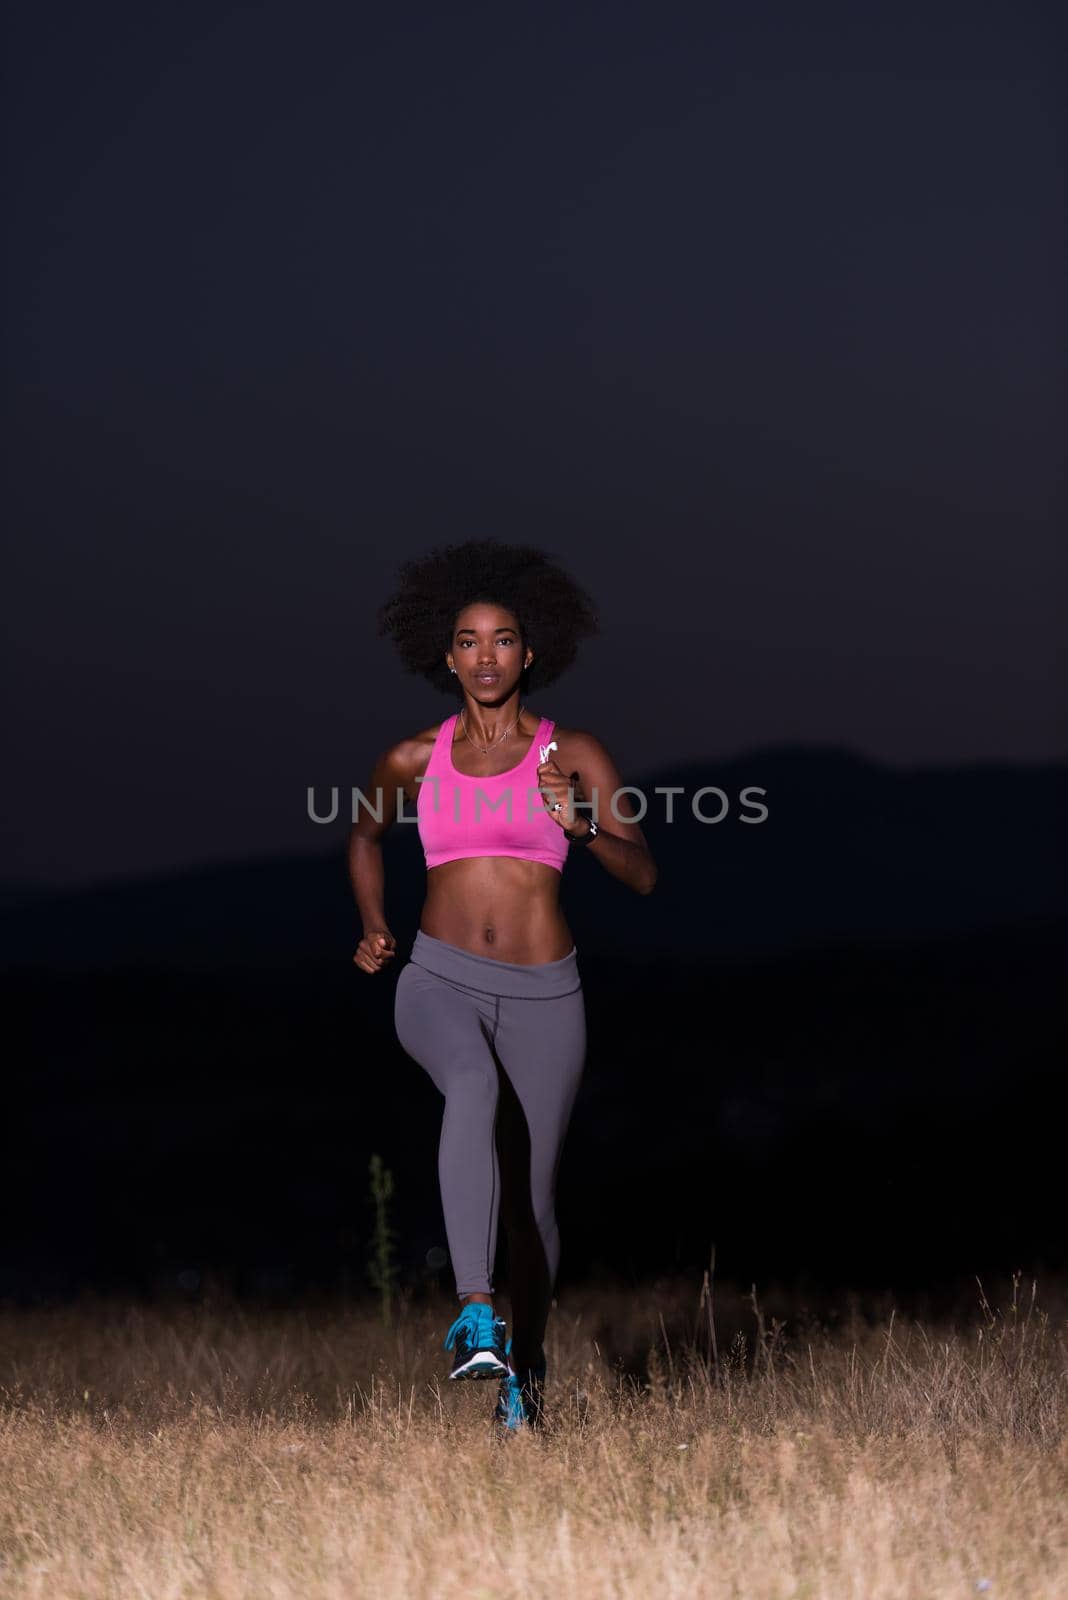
(394, 770)
(620, 845)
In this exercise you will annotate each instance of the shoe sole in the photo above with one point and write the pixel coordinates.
(482, 1365)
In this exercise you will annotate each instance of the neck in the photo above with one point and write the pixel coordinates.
(485, 723)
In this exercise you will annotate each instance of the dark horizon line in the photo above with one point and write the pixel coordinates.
(15, 891)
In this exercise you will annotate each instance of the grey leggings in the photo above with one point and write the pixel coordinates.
(506, 1045)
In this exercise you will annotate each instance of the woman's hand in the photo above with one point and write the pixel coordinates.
(375, 949)
(558, 787)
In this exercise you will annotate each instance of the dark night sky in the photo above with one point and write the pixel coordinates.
(750, 314)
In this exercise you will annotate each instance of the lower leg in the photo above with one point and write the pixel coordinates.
(469, 1176)
(539, 1076)
(530, 1292)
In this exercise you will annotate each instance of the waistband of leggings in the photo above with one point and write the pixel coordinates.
(546, 980)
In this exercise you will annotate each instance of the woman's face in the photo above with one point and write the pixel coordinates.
(487, 652)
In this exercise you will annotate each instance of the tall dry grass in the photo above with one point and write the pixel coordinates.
(738, 1446)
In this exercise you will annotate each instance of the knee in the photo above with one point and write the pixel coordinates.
(473, 1085)
(530, 1213)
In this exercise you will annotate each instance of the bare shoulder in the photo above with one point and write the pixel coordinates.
(394, 773)
(579, 750)
(408, 757)
(599, 779)
(400, 764)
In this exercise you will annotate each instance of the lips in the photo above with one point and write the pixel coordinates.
(488, 677)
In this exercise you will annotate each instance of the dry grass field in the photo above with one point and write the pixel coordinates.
(741, 1446)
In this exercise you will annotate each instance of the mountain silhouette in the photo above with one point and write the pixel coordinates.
(848, 850)
(829, 1041)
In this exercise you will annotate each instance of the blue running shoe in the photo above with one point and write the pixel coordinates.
(519, 1403)
(477, 1341)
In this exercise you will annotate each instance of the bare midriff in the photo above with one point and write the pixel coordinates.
(497, 906)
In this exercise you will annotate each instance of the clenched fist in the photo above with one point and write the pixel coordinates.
(560, 791)
(375, 949)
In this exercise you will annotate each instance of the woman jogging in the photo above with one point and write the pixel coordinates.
(490, 1002)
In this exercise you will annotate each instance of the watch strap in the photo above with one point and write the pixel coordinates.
(592, 830)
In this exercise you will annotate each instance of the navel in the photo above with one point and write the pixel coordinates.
(489, 934)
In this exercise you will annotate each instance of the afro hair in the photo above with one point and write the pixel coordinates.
(552, 611)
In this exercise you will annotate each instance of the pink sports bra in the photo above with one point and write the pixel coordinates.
(459, 815)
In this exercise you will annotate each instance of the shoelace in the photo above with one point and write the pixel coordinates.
(471, 1318)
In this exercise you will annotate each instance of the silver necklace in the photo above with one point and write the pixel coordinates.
(486, 748)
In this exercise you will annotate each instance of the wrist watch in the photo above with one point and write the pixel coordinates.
(592, 830)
